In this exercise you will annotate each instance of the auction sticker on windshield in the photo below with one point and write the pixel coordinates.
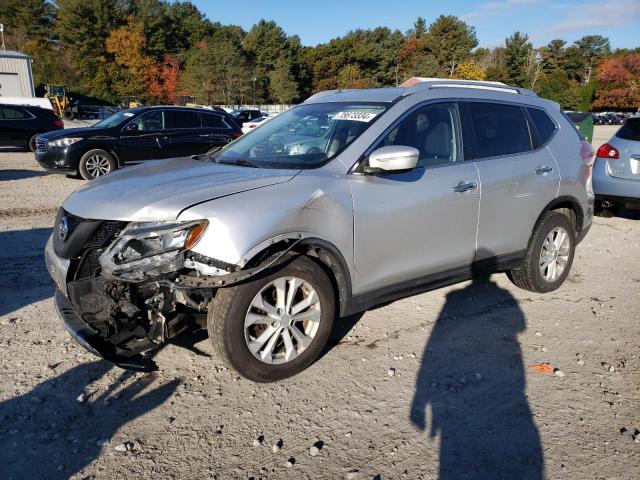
(356, 116)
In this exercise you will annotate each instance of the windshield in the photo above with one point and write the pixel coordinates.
(304, 137)
(114, 120)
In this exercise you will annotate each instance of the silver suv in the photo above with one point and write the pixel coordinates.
(616, 174)
(349, 200)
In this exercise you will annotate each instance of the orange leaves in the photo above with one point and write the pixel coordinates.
(163, 79)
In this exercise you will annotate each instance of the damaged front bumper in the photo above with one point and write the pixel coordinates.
(92, 341)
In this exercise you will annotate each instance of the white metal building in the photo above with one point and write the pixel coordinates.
(16, 79)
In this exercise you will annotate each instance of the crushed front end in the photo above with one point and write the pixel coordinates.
(118, 290)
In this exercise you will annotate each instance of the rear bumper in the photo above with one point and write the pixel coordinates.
(607, 187)
(90, 339)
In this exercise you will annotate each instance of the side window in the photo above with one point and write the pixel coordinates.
(543, 123)
(12, 113)
(213, 121)
(500, 129)
(150, 121)
(182, 119)
(434, 130)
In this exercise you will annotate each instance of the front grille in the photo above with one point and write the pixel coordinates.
(102, 237)
(41, 145)
(105, 234)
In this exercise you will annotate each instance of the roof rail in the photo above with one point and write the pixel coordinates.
(430, 83)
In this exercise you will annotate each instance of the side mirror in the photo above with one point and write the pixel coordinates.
(131, 128)
(392, 159)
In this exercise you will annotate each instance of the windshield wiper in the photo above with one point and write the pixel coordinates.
(242, 163)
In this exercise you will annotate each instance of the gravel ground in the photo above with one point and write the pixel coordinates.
(437, 385)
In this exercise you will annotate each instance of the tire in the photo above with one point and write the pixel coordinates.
(32, 142)
(233, 305)
(67, 115)
(96, 163)
(530, 275)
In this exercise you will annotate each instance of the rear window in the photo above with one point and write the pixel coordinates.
(500, 129)
(630, 130)
(214, 121)
(543, 124)
(182, 119)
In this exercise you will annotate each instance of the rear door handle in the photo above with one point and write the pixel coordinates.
(463, 187)
(544, 170)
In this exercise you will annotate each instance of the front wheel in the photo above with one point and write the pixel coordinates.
(96, 163)
(276, 326)
(549, 255)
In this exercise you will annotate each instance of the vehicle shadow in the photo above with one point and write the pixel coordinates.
(7, 175)
(472, 377)
(25, 278)
(48, 433)
(629, 214)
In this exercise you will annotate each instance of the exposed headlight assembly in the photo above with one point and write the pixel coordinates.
(149, 249)
(63, 142)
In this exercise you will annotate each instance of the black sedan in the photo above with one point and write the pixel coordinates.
(135, 135)
(21, 124)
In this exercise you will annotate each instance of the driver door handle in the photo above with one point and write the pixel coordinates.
(463, 187)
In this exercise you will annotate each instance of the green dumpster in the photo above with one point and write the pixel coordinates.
(583, 122)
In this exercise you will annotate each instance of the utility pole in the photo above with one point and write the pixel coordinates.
(2, 34)
(254, 91)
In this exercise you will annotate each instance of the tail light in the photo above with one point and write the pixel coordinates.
(58, 123)
(237, 134)
(608, 151)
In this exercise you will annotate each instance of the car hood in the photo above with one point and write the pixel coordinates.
(82, 132)
(160, 190)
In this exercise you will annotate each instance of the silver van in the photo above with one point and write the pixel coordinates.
(350, 200)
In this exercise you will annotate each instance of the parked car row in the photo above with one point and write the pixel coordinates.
(609, 118)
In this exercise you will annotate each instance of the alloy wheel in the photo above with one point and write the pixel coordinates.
(97, 165)
(282, 320)
(554, 254)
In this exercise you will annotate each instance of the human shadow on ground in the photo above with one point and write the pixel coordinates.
(472, 378)
(13, 174)
(47, 433)
(24, 279)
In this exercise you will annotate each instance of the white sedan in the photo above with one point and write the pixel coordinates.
(256, 122)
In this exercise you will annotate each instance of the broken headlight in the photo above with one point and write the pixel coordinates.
(150, 248)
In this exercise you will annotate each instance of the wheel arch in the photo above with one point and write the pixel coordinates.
(323, 252)
(570, 207)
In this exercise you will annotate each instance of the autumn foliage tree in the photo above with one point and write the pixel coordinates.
(469, 70)
(619, 83)
(163, 79)
(133, 65)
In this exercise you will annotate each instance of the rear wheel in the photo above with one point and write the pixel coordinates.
(549, 255)
(96, 163)
(276, 326)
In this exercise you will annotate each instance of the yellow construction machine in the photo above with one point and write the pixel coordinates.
(57, 95)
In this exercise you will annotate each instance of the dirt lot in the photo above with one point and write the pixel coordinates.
(462, 402)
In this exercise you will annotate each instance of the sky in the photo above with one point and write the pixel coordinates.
(317, 21)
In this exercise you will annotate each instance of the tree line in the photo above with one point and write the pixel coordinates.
(158, 51)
